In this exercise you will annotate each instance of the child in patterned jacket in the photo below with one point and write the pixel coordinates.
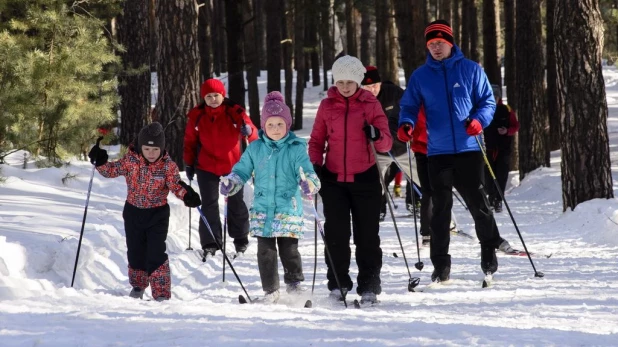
(276, 217)
(150, 174)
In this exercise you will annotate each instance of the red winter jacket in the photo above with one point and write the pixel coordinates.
(339, 123)
(213, 145)
(419, 134)
(148, 184)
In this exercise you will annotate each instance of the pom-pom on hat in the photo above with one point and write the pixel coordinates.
(348, 68)
(151, 135)
(439, 30)
(274, 105)
(372, 76)
(212, 85)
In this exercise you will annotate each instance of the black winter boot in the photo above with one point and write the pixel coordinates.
(441, 274)
(489, 262)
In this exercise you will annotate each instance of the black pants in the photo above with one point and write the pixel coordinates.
(389, 176)
(500, 163)
(268, 265)
(426, 205)
(146, 232)
(363, 201)
(464, 171)
(237, 213)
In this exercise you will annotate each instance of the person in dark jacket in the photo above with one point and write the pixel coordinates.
(211, 147)
(458, 103)
(498, 141)
(389, 94)
(348, 122)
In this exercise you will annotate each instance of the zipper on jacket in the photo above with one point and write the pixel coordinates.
(450, 106)
(345, 139)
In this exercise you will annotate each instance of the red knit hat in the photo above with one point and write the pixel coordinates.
(212, 85)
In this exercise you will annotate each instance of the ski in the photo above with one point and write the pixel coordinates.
(358, 304)
(243, 300)
(459, 232)
(519, 253)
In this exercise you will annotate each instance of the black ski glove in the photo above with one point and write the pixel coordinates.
(371, 132)
(190, 172)
(191, 198)
(97, 156)
(318, 170)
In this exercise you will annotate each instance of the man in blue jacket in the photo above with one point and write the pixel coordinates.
(459, 103)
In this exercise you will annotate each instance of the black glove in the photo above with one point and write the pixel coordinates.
(97, 156)
(245, 130)
(318, 170)
(191, 198)
(371, 132)
(190, 172)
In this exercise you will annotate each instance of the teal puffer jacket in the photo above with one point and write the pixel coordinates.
(277, 209)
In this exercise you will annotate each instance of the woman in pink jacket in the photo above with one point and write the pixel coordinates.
(347, 120)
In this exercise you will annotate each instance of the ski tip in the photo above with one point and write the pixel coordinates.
(308, 304)
(242, 299)
(485, 284)
(395, 255)
(357, 303)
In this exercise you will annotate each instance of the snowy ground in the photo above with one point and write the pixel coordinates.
(40, 218)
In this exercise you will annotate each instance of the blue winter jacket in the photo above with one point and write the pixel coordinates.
(277, 209)
(452, 91)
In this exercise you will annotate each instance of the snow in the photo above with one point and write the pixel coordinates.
(575, 304)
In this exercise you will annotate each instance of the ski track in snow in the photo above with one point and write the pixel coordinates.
(575, 304)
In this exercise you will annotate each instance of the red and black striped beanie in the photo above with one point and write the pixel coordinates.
(439, 30)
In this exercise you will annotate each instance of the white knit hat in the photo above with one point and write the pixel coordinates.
(348, 68)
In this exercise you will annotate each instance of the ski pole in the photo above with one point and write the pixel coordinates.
(199, 209)
(189, 248)
(224, 231)
(493, 176)
(81, 233)
(408, 178)
(315, 244)
(460, 201)
(319, 226)
(418, 249)
(413, 281)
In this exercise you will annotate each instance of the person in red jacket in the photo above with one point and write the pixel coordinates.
(347, 121)
(150, 174)
(499, 140)
(212, 145)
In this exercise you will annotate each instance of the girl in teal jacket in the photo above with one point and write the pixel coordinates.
(276, 217)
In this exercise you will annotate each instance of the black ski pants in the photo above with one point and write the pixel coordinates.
(146, 232)
(237, 213)
(500, 163)
(363, 201)
(268, 264)
(426, 205)
(464, 171)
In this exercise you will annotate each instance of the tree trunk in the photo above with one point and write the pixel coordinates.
(533, 149)
(586, 166)
(350, 32)
(217, 48)
(552, 99)
(152, 23)
(392, 71)
(466, 26)
(312, 44)
(287, 27)
(274, 15)
(407, 35)
(260, 34)
(134, 82)
(491, 37)
(474, 34)
(327, 40)
(509, 72)
(365, 36)
(178, 70)
(204, 37)
(299, 54)
(444, 10)
(456, 24)
(381, 35)
(252, 64)
(235, 39)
